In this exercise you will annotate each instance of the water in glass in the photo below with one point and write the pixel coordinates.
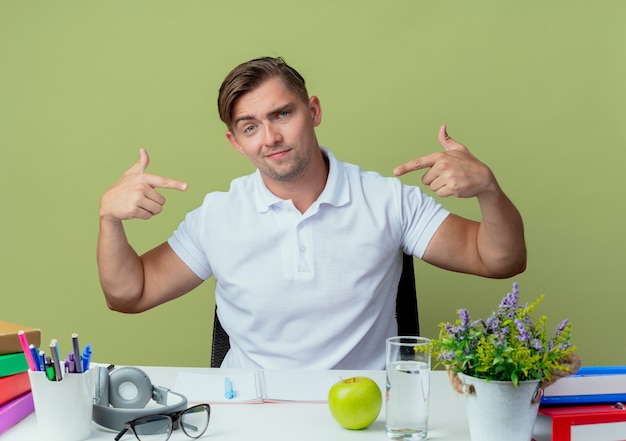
(408, 384)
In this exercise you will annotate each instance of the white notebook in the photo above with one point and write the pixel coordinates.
(261, 386)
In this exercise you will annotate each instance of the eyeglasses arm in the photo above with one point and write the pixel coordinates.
(121, 434)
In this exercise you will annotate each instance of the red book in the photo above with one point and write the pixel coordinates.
(13, 386)
(564, 418)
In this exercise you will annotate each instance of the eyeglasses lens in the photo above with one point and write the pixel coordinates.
(153, 428)
(195, 420)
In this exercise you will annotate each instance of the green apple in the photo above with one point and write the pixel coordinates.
(355, 402)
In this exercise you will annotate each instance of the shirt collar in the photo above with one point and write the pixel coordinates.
(336, 191)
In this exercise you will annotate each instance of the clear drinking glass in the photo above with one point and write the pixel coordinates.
(408, 388)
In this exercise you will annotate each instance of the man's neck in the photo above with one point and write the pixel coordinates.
(305, 189)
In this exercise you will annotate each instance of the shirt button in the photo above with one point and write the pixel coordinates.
(303, 249)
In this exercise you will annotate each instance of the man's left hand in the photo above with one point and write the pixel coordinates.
(452, 172)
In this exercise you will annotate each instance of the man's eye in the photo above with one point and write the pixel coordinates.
(284, 114)
(249, 129)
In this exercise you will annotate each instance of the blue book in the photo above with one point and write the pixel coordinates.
(590, 385)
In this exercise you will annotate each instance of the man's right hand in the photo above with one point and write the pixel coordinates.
(134, 195)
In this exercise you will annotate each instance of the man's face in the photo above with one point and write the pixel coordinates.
(275, 129)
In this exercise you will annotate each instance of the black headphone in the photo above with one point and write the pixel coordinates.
(121, 394)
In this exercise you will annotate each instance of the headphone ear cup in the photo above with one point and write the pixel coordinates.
(129, 388)
(101, 391)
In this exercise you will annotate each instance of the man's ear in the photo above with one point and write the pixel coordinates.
(233, 141)
(316, 110)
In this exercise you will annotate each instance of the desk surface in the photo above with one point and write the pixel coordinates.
(302, 421)
(284, 421)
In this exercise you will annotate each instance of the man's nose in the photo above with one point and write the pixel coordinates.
(272, 134)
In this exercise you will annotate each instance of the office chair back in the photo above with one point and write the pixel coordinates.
(406, 313)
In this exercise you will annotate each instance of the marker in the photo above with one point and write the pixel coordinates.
(34, 353)
(55, 360)
(50, 370)
(86, 358)
(27, 354)
(229, 392)
(70, 363)
(42, 360)
(79, 367)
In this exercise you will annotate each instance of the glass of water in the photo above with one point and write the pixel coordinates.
(408, 388)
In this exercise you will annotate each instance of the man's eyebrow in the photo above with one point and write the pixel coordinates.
(281, 108)
(271, 112)
(243, 118)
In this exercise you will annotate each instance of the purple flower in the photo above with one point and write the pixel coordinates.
(523, 336)
(528, 321)
(492, 324)
(499, 335)
(508, 305)
(561, 328)
(453, 331)
(446, 356)
(465, 319)
(508, 302)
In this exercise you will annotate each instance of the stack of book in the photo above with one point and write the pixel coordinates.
(16, 400)
(595, 395)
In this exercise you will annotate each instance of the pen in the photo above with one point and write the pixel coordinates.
(86, 358)
(79, 367)
(55, 342)
(25, 348)
(55, 360)
(229, 392)
(50, 370)
(34, 353)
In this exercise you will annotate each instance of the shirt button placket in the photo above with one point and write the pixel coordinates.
(304, 256)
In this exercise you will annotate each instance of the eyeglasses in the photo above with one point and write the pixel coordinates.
(193, 422)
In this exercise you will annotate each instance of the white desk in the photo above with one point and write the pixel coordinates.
(287, 422)
(277, 422)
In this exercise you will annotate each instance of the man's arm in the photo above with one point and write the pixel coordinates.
(133, 283)
(495, 246)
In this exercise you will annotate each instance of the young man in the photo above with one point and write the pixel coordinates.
(306, 251)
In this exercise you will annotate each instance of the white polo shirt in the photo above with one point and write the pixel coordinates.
(314, 290)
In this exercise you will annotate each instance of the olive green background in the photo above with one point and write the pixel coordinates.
(535, 89)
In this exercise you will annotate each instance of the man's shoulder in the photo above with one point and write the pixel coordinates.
(368, 177)
(240, 189)
(355, 171)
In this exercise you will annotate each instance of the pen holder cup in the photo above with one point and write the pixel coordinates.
(63, 408)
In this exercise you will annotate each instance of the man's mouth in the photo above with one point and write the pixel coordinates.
(278, 155)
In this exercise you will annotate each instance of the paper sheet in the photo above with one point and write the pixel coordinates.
(258, 386)
(201, 388)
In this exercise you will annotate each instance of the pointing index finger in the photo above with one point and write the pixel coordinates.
(446, 141)
(154, 181)
(163, 182)
(415, 164)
